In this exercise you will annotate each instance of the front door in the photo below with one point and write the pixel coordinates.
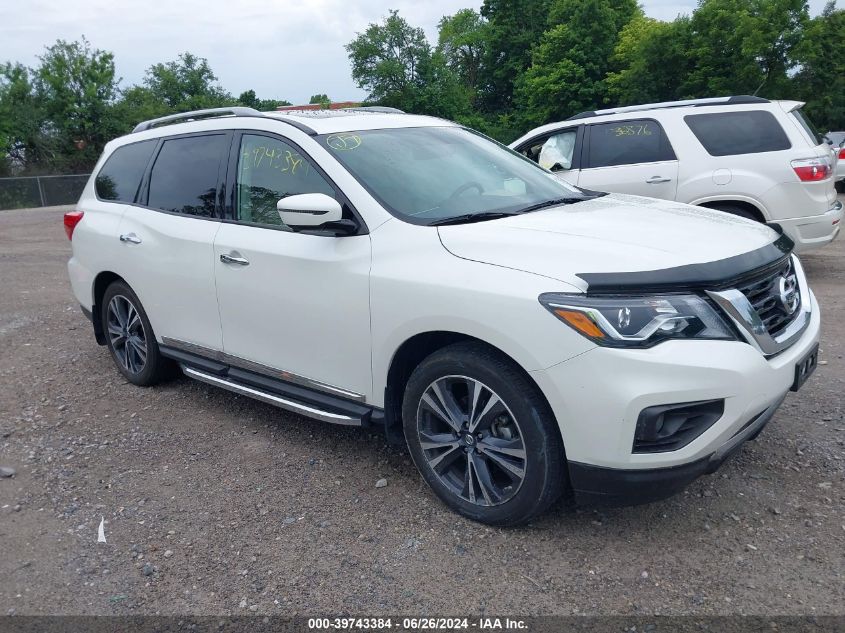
(291, 304)
(559, 152)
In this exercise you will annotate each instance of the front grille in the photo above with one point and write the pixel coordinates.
(766, 298)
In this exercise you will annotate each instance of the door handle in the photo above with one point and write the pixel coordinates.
(234, 258)
(130, 238)
(654, 180)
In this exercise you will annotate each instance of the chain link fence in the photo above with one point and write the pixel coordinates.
(41, 191)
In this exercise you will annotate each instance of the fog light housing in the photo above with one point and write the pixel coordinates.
(668, 427)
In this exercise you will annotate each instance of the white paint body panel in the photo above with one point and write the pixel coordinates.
(301, 305)
(172, 272)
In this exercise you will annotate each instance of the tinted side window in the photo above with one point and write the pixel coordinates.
(184, 176)
(269, 170)
(628, 143)
(120, 177)
(731, 133)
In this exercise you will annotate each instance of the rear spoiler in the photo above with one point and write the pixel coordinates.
(791, 106)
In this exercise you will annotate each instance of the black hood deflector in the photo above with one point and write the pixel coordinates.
(710, 275)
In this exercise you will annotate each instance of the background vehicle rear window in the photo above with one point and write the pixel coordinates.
(184, 176)
(731, 133)
(120, 177)
(628, 143)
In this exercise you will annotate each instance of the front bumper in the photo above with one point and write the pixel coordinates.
(598, 486)
(598, 396)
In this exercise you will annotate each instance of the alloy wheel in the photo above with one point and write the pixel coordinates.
(126, 334)
(471, 440)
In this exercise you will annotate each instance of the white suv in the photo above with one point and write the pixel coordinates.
(523, 336)
(748, 156)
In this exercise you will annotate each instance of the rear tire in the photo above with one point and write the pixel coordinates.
(130, 337)
(482, 435)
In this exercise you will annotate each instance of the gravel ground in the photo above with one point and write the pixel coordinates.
(215, 504)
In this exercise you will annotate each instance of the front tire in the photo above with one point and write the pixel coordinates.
(130, 337)
(482, 435)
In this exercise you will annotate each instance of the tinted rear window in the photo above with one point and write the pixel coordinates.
(731, 133)
(184, 176)
(120, 177)
(628, 143)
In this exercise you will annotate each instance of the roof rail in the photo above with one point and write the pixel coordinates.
(193, 115)
(382, 109)
(695, 103)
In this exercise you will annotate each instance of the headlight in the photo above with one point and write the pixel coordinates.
(627, 321)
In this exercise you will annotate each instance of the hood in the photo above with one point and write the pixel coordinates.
(615, 233)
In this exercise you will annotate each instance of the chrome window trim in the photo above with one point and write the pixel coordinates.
(273, 372)
(745, 317)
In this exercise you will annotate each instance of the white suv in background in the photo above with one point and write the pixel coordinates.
(745, 155)
(523, 336)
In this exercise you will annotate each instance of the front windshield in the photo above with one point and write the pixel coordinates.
(426, 175)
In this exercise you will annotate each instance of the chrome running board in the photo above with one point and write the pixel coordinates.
(270, 398)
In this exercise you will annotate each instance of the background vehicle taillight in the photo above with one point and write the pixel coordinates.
(72, 218)
(811, 169)
(842, 153)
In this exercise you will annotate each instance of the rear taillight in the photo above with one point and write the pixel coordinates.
(811, 169)
(842, 153)
(72, 218)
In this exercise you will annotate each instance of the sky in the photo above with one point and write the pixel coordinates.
(282, 49)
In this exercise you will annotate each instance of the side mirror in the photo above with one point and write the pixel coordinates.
(309, 210)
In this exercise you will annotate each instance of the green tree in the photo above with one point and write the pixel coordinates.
(77, 87)
(650, 61)
(743, 46)
(462, 40)
(821, 78)
(387, 61)
(23, 142)
(570, 64)
(515, 28)
(248, 98)
(136, 104)
(322, 99)
(186, 84)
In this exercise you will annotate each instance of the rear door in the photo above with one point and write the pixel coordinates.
(167, 239)
(558, 151)
(632, 156)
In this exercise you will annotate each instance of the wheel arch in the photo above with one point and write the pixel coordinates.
(752, 207)
(102, 281)
(410, 354)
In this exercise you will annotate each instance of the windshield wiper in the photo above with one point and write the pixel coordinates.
(552, 203)
(467, 218)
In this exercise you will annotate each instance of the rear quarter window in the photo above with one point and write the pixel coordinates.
(732, 133)
(120, 177)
